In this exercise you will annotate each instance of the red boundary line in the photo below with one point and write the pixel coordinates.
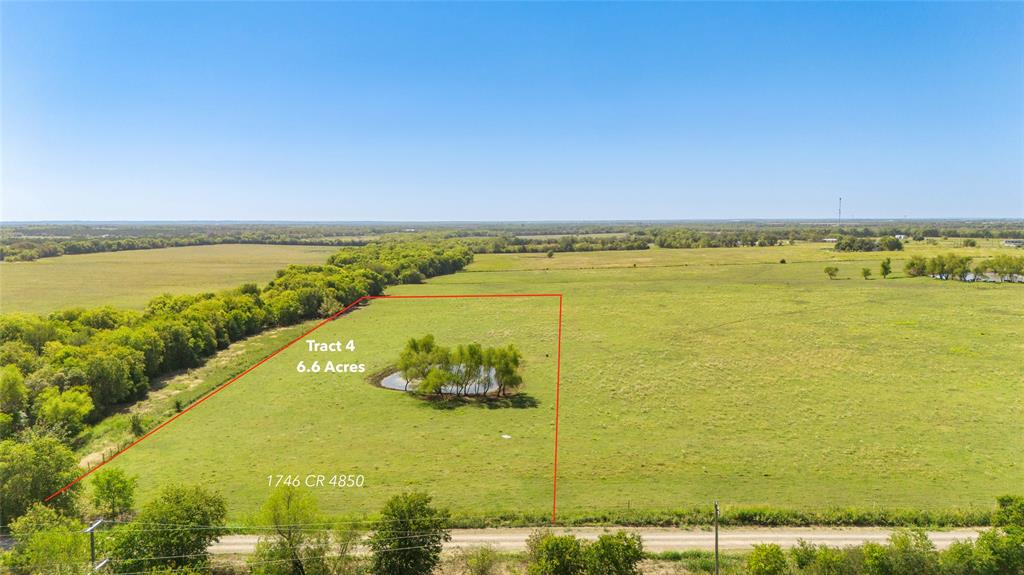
(558, 379)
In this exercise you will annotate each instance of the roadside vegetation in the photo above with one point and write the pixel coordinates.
(174, 532)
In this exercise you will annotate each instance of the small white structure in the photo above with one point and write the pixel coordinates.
(901, 237)
(1013, 243)
(830, 240)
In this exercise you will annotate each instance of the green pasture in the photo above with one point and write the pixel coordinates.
(129, 279)
(695, 375)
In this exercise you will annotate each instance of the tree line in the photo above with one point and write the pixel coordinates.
(431, 369)
(508, 244)
(60, 371)
(857, 244)
(1003, 267)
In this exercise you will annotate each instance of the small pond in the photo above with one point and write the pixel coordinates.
(397, 382)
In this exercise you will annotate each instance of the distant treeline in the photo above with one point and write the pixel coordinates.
(26, 242)
(518, 245)
(30, 249)
(104, 356)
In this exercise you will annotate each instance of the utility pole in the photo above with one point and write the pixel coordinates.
(839, 219)
(716, 537)
(91, 530)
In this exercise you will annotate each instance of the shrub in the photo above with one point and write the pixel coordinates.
(803, 554)
(617, 554)
(555, 555)
(910, 552)
(766, 559)
(1010, 512)
(138, 430)
(831, 272)
(480, 560)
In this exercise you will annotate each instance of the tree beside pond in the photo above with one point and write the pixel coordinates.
(432, 369)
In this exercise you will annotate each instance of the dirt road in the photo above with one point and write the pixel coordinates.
(658, 539)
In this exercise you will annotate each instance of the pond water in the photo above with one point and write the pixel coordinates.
(397, 382)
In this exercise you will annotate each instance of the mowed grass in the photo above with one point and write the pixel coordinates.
(129, 279)
(696, 375)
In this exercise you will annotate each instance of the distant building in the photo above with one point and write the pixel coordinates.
(901, 237)
(830, 240)
(1013, 243)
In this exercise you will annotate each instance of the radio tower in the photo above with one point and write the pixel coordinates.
(839, 219)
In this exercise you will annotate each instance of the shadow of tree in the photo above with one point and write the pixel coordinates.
(517, 401)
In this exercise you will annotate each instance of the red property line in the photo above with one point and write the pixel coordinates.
(558, 378)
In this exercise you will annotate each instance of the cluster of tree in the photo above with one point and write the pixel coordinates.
(688, 238)
(611, 554)
(1003, 267)
(405, 262)
(507, 244)
(858, 244)
(436, 370)
(996, 551)
(71, 367)
(15, 248)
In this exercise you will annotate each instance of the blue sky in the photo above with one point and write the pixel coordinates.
(463, 111)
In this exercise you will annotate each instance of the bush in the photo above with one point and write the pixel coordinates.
(614, 554)
(1010, 512)
(138, 430)
(480, 560)
(555, 555)
(766, 559)
(910, 552)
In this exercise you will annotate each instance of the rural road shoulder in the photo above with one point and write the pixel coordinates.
(661, 539)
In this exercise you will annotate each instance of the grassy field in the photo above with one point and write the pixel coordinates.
(696, 374)
(130, 279)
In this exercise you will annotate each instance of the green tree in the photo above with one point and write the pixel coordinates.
(113, 492)
(66, 410)
(33, 468)
(47, 542)
(767, 559)
(191, 519)
(290, 546)
(831, 272)
(407, 539)
(505, 362)
(13, 394)
(865, 273)
(916, 266)
(886, 267)
(890, 244)
(6, 426)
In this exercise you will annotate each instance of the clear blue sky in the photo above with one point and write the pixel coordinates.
(504, 111)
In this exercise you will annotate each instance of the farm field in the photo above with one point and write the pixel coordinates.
(695, 375)
(129, 279)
